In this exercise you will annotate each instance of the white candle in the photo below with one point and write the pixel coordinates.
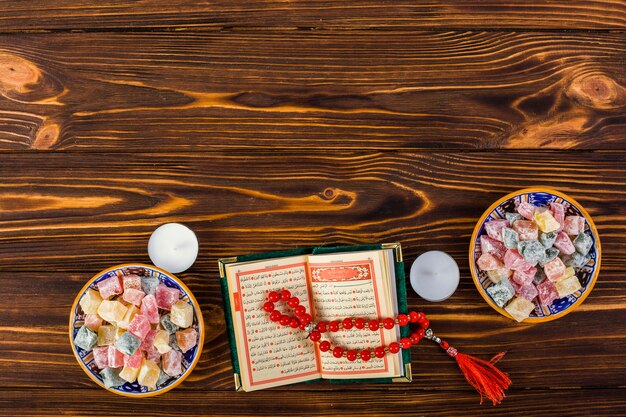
(434, 276)
(173, 247)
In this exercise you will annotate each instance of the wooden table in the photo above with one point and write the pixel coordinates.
(270, 125)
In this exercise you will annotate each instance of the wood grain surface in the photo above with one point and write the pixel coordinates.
(272, 125)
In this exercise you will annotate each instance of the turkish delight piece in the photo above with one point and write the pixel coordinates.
(127, 343)
(90, 301)
(532, 251)
(162, 341)
(134, 360)
(149, 374)
(112, 311)
(501, 292)
(174, 342)
(139, 327)
(101, 356)
(526, 229)
(163, 378)
(166, 296)
(116, 358)
(549, 255)
(110, 287)
(167, 325)
(153, 354)
(133, 296)
(547, 292)
(546, 222)
(172, 363)
(554, 269)
(148, 341)
(574, 225)
(129, 374)
(526, 209)
(576, 260)
(111, 377)
(85, 338)
(568, 286)
(513, 260)
(510, 238)
(564, 244)
(486, 262)
(128, 317)
(93, 322)
(520, 308)
(583, 243)
(513, 217)
(149, 308)
(524, 277)
(106, 335)
(494, 228)
(149, 284)
(186, 339)
(547, 239)
(132, 281)
(492, 246)
(527, 291)
(497, 274)
(182, 314)
(558, 212)
(540, 276)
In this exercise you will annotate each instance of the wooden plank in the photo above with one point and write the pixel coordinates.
(78, 212)
(344, 402)
(323, 14)
(293, 90)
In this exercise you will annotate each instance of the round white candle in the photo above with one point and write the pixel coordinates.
(173, 247)
(434, 276)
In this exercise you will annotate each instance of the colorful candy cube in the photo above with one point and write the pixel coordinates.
(554, 269)
(134, 360)
(526, 229)
(510, 238)
(524, 277)
(149, 374)
(166, 296)
(85, 338)
(127, 343)
(129, 374)
(110, 287)
(149, 284)
(150, 309)
(148, 342)
(112, 311)
(182, 314)
(132, 281)
(186, 339)
(486, 262)
(513, 217)
(116, 358)
(106, 334)
(173, 342)
(172, 363)
(492, 246)
(558, 212)
(128, 317)
(532, 251)
(576, 260)
(546, 222)
(567, 286)
(574, 225)
(583, 243)
(547, 292)
(167, 325)
(139, 327)
(527, 291)
(513, 260)
(497, 275)
(520, 308)
(526, 209)
(111, 377)
(162, 341)
(93, 322)
(494, 228)
(549, 255)
(153, 354)
(564, 244)
(540, 276)
(101, 356)
(133, 296)
(547, 239)
(90, 301)
(501, 292)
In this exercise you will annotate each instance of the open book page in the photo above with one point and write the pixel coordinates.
(354, 285)
(270, 354)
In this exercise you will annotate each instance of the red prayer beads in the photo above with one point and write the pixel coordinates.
(303, 320)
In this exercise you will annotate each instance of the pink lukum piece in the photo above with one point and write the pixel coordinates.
(564, 244)
(494, 228)
(186, 339)
(492, 246)
(146, 343)
(93, 321)
(116, 358)
(139, 326)
(524, 277)
(110, 287)
(153, 354)
(554, 269)
(527, 291)
(132, 281)
(101, 356)
(133, 361)
(133, 296)
(526, 209)
(514, 261)
(488, 262)
(172, 363)
(573, 225)
(149, 308)
(547, 292)
(558, 212)
(526, 229)
(166, 296)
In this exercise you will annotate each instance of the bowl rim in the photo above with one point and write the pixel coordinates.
(592, 226)
(198, 315)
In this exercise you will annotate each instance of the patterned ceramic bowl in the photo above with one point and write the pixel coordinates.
(538, 197)
(189, 360)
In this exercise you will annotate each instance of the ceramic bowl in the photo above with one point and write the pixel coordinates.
(85, 358)
(538, 197)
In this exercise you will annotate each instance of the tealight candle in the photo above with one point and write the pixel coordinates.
(173, 247)
(434, 276)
